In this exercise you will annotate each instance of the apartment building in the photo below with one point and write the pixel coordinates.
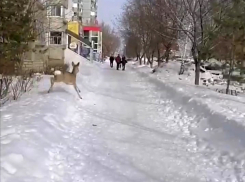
(49, 47)
(56, 26)
(91, 28)
(89, 12)
(85, 13)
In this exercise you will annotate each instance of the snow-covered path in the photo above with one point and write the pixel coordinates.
(128, 128)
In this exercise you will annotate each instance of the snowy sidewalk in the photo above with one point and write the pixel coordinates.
(127, 128)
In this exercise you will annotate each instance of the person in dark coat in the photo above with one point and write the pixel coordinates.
(111, 61)
(118, 60)
(124, 62)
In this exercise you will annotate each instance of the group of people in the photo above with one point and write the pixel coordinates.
(121, 62)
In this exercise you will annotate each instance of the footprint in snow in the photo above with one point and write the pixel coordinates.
(7, 117)
(9, 161)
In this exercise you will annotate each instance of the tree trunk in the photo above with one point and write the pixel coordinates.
(197, 71)
(158, 56)
(148, 59)
(137, 58)
(152, 59)
(167, 53)
(231, 63)
(197, 63)
(151, 64)
(229, 77)
(141, 57)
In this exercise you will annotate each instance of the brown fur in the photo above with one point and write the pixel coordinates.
(67, 78)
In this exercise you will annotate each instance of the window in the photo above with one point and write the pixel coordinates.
(55, 11)
(86, 33)
(95, 39)
(95, 46)
(55, 37)
(95, 33)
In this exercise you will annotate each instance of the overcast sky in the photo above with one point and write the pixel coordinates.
(109, 10)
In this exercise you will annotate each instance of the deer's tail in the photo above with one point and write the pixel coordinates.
(62, 70)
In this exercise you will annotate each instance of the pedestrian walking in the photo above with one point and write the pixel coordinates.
(111, 61)
(124, 62)
(120, 64)
(118, 60)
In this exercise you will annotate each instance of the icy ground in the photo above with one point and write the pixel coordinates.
(128, 128)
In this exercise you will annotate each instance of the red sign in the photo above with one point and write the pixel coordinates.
(90, 28)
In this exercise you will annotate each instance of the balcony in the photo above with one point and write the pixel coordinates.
(92, 22)
(63, 3)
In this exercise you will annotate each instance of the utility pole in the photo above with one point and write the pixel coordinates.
(78, 9)
(79, 44)
(92, 52)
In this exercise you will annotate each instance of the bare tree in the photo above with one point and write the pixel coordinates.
(195, 19)
(133, 46)
(110, 41)
(162, 25)
(134, 26)
(153, 23)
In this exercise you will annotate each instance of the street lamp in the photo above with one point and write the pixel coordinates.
(125, 52)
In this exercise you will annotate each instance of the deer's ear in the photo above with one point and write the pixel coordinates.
(73, 64)
(78, 63)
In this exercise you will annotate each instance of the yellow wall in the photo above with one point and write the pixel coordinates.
(74, 27)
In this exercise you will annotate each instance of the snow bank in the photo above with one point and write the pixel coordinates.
(233, 108)
(31, 131)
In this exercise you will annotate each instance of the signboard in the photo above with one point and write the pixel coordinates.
(73, 45)
(74, 26)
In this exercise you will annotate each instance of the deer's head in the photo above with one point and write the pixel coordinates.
(75, 68)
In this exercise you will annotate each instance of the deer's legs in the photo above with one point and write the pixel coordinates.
(75, 87)
(78, 88)
(52, 84)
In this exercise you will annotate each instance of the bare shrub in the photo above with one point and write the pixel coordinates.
(17, 87)
(5, 82)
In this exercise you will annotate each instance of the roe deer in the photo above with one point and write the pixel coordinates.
(67, 78)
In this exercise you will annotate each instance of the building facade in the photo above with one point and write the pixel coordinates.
(50, 25)
(89, 12)
(91, 28)
(55, 35)
(85, 13)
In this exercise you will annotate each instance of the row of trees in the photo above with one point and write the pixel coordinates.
(215, 29)
(111, 41)
(16, 28)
